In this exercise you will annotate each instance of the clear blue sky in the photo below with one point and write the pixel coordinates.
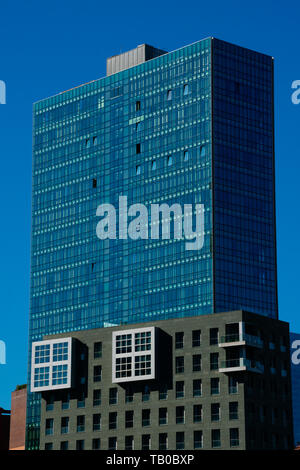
(50, 46)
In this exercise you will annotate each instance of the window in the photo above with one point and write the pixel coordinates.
(197, 363)
(123, 367)
(138, 170)
(113, 396)
(179, 365)
(80, 445)
(179, 389)
(153, 165)
(197, 413)
(112, 420)
(198, 439)
(142, 365)
(169, 95)
(94, 183)
(129, 419)
(186, 156)
(95, 140)
(97, 350)
(60, 374)
(202, 151)
(196, 338)
(170, 160)
(146, 393)
(65, 404)
(80, 423)
(214, 361)
(215, 411)
(216, 438)
(142, 341)
(41, 376)
(64, 428)
(97, 422)
(163, 392)
(64, 445)
(145, 417)
(185, 90)
(232, 384)
(215, 386)
(163, 416)
(96, 445)
(146, 442)
(97, 373)
(48, 446)
(129, 443)
(179, 414)
(128, 395)
(97, 397)
(137, 105)
(179, 340)
(138, 126)
(234, 437)
(49, 426)
(213, 336)
(138, 148)
(233, 410)
(179, 440)
(197, 388)
(50, 403)
(87, 143)
(81, 400)
(163, 441)
(112, 443)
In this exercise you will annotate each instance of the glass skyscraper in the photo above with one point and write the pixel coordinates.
(186, 127)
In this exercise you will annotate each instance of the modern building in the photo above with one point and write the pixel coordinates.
(193, 126)
(295, 375)
(4, 428)
(18, 418)
(209, 382)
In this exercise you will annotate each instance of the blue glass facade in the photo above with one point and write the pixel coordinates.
(243, 179)
(166, 131)
(295, 375)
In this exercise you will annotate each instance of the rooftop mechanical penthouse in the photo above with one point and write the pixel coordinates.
(192, 126)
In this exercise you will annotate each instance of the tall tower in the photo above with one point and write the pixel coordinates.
(193, 126)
